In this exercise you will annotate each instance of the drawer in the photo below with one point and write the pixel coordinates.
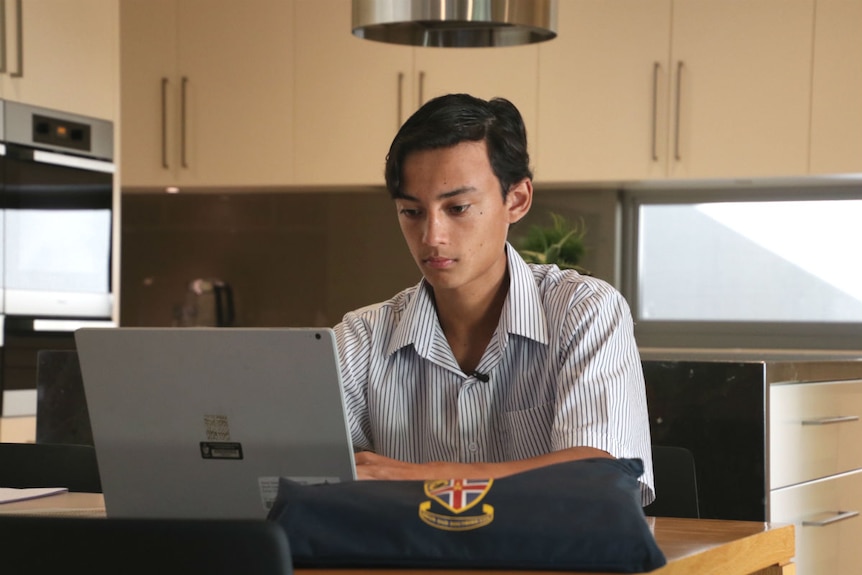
(828, 534)
(814, 430)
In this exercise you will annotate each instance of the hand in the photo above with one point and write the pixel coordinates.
(369, 465)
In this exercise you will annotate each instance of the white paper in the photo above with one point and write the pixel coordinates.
(10, 494)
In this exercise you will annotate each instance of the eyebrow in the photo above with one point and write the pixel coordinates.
(443, 196)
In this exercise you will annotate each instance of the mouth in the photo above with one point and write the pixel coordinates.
(438, 262)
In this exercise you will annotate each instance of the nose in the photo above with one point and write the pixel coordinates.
(435, 230)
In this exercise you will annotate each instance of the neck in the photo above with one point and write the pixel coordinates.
(469, 319)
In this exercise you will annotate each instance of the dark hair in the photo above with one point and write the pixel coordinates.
(454, 118)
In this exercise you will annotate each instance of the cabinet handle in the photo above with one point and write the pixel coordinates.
(19, 25)
(165, 164)
(183, 161)
(839, 516)
(421, 88)
(676, 153)
(2, 36)
(828, 420)
(400, 99)
(655, 70)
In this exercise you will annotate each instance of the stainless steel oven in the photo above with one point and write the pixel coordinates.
(56, 230)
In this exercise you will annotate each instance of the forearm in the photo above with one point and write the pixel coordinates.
(373, 466)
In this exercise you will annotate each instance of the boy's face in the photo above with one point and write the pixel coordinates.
(454, 218)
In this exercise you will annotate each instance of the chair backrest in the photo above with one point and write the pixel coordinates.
(50, 465)
(41, 545)
(61, 408)
(675, 483)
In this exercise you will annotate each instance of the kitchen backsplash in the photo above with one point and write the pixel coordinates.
(297, 258)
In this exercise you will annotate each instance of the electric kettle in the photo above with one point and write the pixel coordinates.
(208, 303)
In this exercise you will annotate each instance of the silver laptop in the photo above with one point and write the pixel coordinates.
(201, 422)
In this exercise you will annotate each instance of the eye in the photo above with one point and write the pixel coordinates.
(459, 209)
(410, 212)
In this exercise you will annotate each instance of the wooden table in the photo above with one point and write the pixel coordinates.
(63, 504)
(691, 546)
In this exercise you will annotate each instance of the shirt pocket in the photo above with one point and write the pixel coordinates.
(528, 431)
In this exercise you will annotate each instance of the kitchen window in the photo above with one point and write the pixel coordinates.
(775, 267)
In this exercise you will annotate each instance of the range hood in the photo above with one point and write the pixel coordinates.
(455, 23)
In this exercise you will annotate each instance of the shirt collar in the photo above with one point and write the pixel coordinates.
(523, 313)
(418, 325)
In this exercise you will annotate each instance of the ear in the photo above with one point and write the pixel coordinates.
(519, 199)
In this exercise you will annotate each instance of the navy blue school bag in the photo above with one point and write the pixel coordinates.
(582, 515)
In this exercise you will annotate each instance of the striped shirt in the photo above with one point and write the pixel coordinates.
(561, 370)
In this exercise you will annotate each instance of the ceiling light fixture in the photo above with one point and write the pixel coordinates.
(455, 23)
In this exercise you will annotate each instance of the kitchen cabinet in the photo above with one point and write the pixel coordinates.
(147, 71)
(207, 92)
(740, 77)
(62, 55)
(781, 428)
(826, 542)
(352, 95)
(686, 89)
(816, 471)
(836, 106)
(601, 85)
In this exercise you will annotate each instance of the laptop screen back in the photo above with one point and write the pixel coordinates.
(201, 422)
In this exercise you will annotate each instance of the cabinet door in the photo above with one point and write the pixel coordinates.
(836, 109)
(69, 56)
(603, 92)
(351, 97)
(235, 72)
(827, 522)
(814, 430)
(508, 72)
(742, 71)
(149, 92)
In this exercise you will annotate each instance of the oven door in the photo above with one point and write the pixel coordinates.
(57, 220)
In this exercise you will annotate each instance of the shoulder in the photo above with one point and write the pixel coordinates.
(384, 314)
(552, 284)
(555, 284)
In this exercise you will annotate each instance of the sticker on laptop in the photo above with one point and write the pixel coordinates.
(221, 450)
(217, 427)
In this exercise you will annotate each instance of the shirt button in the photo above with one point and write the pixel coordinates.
(473, 447)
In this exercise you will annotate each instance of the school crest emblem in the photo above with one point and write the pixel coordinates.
(457, 496)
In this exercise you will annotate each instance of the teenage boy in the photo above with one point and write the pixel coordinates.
(489, 366)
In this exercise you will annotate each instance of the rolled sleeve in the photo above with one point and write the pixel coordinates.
(601, 392)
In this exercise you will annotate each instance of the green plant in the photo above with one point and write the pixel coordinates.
(560, 243)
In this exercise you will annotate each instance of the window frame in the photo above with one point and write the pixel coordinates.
(728, 334)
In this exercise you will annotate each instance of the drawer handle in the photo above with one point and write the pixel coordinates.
(839, 516)
(655, 70)
(828, 420)
(184, 93)
(676, 153)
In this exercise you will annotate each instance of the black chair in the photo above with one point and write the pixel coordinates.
(43, 545)
(50, 465)
(61, 408)
(675, 483)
